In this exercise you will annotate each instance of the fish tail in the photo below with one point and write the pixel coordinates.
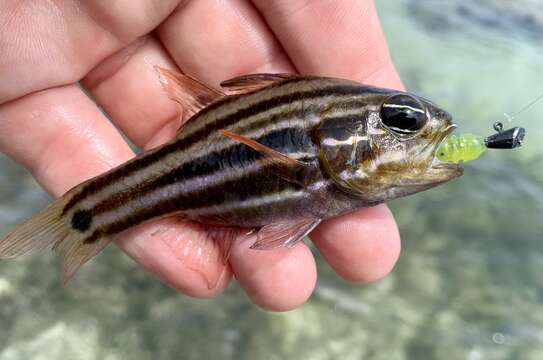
(52, 227)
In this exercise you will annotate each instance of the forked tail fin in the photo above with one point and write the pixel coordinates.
(51, 227)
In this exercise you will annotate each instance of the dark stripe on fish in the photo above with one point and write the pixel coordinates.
(223, 193)
(209, 163)
(182, 143)
(228, 192)
(237, 157)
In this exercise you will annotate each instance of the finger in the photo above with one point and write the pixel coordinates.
(362, 246)
(277, 280)
(238, 42)
(61, 136)
(127, 87)
(215, 40)
(179, 253)
(344, 39)
(336, 38)
(53, 43)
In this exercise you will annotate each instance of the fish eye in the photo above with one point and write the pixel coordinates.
(403, 114)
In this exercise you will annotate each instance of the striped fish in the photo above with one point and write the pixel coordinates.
(274, 153)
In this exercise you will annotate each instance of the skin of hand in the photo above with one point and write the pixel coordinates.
(57, 55)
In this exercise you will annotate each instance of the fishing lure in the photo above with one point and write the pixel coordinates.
(468, 147)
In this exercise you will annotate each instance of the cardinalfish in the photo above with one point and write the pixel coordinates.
(275, 154)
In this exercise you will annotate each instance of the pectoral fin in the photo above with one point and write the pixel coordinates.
(284, 166)
(283, 234)
(274, 154)
(247, 83)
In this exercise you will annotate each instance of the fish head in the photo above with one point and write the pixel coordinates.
(386, 149)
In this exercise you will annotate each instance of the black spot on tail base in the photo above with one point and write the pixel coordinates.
(81, 220)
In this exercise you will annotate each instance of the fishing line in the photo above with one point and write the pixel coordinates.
(510, 118)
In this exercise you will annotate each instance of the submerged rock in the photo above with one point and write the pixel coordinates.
(58, 342)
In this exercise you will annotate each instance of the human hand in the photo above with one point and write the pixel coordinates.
(52, 127)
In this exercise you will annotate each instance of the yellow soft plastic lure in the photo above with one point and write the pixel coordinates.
(465, 147)
(468, 147)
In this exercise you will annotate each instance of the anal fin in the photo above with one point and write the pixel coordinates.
(202, 248)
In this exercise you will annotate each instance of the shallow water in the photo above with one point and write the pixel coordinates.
(468, 284)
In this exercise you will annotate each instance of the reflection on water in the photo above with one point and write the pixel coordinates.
(468, 285)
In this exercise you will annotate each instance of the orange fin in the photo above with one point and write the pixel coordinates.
(283, 234)
(284, 166)
(274, 154)
(190, 93)
(247, 83)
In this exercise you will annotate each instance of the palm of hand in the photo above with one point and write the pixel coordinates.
(51, 126)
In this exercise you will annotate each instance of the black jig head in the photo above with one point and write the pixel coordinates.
(505, 139)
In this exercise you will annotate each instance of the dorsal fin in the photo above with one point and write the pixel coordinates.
(247, 83)
(190, 93)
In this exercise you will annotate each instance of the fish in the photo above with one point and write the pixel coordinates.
(272, 153)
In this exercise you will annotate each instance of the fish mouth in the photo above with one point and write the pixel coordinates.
(444, 134)
(445, 171)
